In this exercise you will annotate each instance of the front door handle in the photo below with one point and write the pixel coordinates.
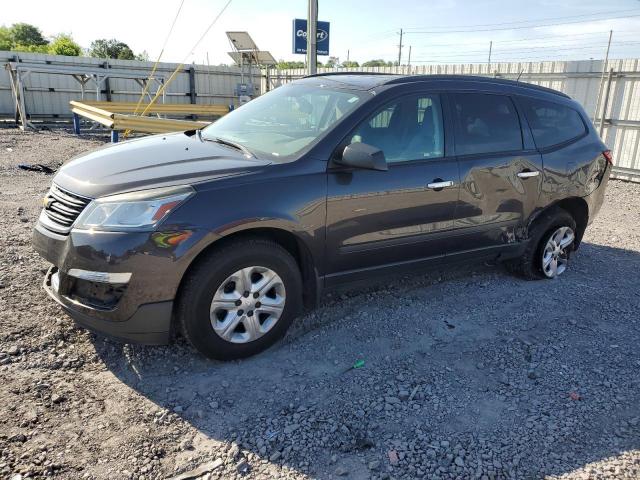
(528, 174)
(440, 184)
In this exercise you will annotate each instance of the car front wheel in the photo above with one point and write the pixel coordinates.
(240, 299)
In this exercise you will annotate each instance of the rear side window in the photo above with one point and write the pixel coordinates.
(552, 123)
(485, 123)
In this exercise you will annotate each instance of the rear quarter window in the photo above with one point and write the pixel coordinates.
(552, 123)
(485, 123)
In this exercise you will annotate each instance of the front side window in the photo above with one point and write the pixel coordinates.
(551, 123)
(282, 123)
(406, 129)
(485, 123)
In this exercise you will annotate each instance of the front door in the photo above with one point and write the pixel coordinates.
(500, 172)
(385, 218)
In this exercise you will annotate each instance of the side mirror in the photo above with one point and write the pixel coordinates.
(361, 155)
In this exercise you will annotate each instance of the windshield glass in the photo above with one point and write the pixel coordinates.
(285, 121)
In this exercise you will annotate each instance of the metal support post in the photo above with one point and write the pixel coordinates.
(605, 103)
(107, 84)
(192, 84)
(76, 124)
(604, 69)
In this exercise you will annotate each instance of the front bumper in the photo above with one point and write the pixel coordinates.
(138, 311)
(149, 325)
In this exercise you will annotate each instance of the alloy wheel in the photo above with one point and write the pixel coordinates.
(247, 304)
(555, 256)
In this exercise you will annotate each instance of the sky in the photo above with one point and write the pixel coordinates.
(445, 31)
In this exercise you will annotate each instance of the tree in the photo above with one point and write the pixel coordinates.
(333, 62)
(6, 42)
(63, 44)
(113, 48)
(285, 65)
(350, 64)
(377, 63)
(30, 48)
(144, 56)
(26, 35)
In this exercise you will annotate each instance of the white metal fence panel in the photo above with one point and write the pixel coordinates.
(48, 95)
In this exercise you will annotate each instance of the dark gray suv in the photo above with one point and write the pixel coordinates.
(229, 232)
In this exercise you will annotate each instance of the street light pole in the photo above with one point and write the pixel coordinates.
(400, 49)
(312, 36)
(604, 69)
(489, 61)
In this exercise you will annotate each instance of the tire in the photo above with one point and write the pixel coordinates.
(250, 258)
(530, 264)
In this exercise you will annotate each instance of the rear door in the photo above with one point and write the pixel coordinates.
(500, 171)
(399, 216)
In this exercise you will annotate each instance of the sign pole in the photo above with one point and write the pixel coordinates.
(312, 37)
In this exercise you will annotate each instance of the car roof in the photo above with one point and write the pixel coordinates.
(371, 80)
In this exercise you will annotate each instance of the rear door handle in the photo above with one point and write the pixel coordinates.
(442, 184)
(528, 174)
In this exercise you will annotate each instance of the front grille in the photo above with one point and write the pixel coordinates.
(62, 207)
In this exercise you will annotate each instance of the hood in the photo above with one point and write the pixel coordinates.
(155, 161)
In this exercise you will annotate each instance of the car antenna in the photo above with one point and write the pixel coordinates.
(519, 75)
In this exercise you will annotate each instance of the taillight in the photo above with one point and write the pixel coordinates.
(609, 156)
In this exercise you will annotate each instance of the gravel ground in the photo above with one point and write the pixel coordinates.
(469, 373)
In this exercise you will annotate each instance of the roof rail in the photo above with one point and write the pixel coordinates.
(396, 78)
(474, 78)
(327, 74)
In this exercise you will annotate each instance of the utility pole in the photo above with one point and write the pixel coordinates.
(400, 49)
(604, 69)
(489, 61)
(347, 57)
(409, 59)
(312, 37)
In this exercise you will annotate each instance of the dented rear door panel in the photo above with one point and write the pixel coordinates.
(496, 202)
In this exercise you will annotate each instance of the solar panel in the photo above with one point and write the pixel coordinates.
(265, 58)
(260, 57)
(242, 41)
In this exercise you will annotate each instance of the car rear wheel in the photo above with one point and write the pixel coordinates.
(551, 241)
(555, 255)
(240, 299)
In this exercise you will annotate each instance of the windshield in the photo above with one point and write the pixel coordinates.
(285, 121)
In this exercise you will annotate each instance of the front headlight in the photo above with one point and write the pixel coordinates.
(141, 210)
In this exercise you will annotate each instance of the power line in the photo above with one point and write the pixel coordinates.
(535, 49)
(517, 58)
(499, 55)
(608, 12)
(566, 57)
(521, 27)
(526, 39)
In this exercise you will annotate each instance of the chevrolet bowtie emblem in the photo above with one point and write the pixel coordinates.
(46, 201)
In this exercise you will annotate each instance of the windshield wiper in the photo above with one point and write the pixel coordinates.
(231, 144)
